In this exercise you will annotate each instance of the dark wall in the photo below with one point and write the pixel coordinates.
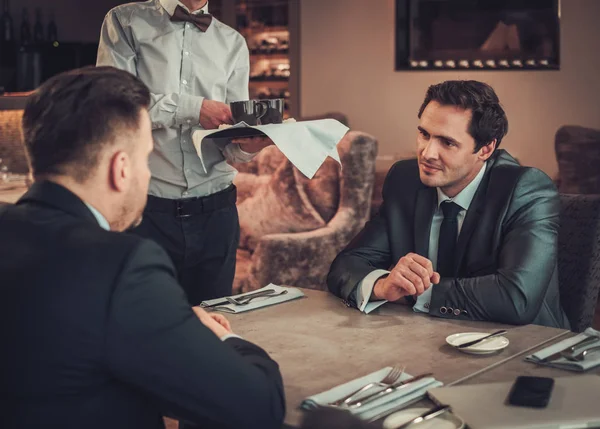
(77, 20)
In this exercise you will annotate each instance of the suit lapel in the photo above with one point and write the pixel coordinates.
(424, 209)
(473, 216)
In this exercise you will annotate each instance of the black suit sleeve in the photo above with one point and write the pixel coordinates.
(155, 343)
(527, 260)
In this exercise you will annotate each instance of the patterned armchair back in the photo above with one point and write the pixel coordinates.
(579, 258)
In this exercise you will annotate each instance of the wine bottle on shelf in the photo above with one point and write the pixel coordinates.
(6, 23)
(25, 29)
(52, 30)
(38, 28)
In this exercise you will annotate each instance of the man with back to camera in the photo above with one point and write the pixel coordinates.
(193, 64)
(99, 332)
(464, 231)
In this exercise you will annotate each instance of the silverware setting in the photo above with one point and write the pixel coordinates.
(570, 351)
(244, 299)
(389, 379)
(396, 408)
(393, 388)
(479, 340)
(580, 357)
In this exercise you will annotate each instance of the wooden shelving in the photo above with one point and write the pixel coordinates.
(271, 29)
(263, 30)
(275, 84)
(277, 56)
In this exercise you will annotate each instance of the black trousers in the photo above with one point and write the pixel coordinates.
(201, 236)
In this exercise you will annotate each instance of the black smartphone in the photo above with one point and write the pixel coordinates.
(531, 392)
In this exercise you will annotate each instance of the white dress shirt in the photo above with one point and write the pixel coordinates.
(463, 199)
(181, 65)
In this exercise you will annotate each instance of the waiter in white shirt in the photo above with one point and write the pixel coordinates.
(194, 66)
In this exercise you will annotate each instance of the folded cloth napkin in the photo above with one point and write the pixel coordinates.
(260, 302)
(307, 144)
(391, 401)
(591, 361)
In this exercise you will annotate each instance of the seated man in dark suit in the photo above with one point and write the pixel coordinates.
(96, 332)
(464, 231)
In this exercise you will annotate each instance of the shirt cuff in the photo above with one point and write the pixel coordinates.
(188, 110)
(228, 336)
(365, 290)
(234, 153)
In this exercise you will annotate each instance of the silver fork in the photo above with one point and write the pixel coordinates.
(391, 377)
(579, 357)
(242, 301)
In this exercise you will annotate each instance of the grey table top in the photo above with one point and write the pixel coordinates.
(320, 343)
(510, 370)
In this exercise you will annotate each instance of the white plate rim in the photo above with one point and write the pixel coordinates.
(473, 350)
(460, 424)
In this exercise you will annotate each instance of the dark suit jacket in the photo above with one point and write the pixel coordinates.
(96, 332)
(505, 267)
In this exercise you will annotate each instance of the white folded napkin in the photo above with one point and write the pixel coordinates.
(591, 361)
(391, 401)
(307, 144)
(260, 302)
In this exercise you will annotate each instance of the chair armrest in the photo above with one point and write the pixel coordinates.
(302, 259)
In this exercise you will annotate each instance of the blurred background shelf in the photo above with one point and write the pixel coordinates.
(272, 30)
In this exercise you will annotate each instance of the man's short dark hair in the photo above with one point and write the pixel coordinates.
(72, 116)
(488, 120)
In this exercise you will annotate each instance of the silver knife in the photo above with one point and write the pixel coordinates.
(394, 387)
(427, 415)
(477, 341)
(585, 342)
(250, 295)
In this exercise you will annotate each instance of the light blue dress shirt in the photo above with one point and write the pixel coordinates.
(101, 219)
(181, 66)
(463, 199)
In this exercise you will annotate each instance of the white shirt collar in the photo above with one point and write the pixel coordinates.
(171, 5)
(101, 219)
(464, 197)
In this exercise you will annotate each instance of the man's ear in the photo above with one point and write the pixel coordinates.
(486, 151)
(120, 171)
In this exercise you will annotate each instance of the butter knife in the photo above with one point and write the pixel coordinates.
(477, 341)
(224, 301)
(585, 342)
(427, 415)
(394, 387)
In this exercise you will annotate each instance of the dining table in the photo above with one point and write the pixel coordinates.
(517, 367)
(320, 343)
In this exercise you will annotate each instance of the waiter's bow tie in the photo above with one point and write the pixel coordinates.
(201, 20)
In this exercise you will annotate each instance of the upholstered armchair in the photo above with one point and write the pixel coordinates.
(578, 155)
(284, 244)
(579, 258)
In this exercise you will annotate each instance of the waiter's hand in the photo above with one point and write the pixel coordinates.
(214, 113)
(253, 144)
(412, 275)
